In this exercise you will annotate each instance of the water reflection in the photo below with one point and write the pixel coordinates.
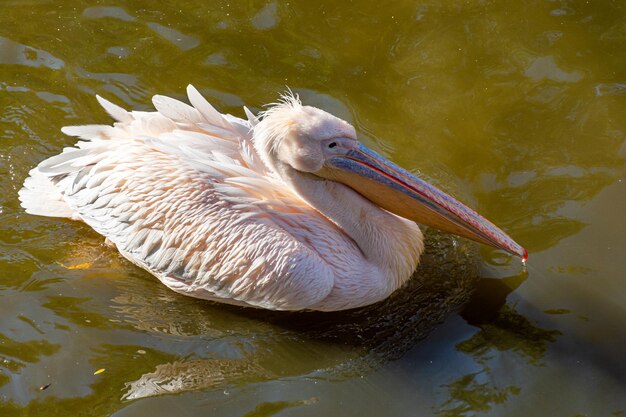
(288, 344)
(99, 12)
(199, 374)
(468, 395)
(15, 53)
(15, 354)
(227, 347)
(182, 41)
(509, 331)
(119, 362)
(74, 309)
(503, 331)
(268, 409)
(267, 17)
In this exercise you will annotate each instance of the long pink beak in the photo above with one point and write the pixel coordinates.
(402, 193)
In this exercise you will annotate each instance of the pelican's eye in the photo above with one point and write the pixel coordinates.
(332, 144)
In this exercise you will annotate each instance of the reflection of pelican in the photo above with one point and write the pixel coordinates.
(192, 375)
(288, 212)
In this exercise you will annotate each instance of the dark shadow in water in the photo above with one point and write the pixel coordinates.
(502, 329)
(380, 333)
(272, 408)
(509, 331)
(489, 297)
(369, 336)
(255, 346)
(239, 346)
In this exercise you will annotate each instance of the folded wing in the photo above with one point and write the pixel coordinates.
(182, 193)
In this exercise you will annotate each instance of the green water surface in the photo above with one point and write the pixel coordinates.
(517, 107)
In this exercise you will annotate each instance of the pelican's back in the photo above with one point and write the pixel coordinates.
(182, 193)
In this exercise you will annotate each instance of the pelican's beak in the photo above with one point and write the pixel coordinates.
(402, 193)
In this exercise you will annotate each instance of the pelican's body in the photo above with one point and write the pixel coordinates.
(247, 212)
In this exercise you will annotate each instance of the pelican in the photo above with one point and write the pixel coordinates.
(284, 211)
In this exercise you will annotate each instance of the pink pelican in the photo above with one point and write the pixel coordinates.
(287, 211)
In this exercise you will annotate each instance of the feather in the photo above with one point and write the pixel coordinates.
(183, 193)
(218, 131)
(155, 125)
(204, 107)
(89, 132)
(114, 110)
(62, 163)
(39, 196)
(176, 110)
(251, 117)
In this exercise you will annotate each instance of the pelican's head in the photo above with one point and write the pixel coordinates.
(310, 140)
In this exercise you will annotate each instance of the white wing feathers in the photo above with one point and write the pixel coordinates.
(115, 111)
(205, 108)
(41, 197)
(182, 193)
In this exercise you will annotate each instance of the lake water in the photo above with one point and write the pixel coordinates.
(518, 108)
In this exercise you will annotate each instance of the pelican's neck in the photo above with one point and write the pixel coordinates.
(391, 243)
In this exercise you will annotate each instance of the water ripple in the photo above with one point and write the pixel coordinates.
(14, 53)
